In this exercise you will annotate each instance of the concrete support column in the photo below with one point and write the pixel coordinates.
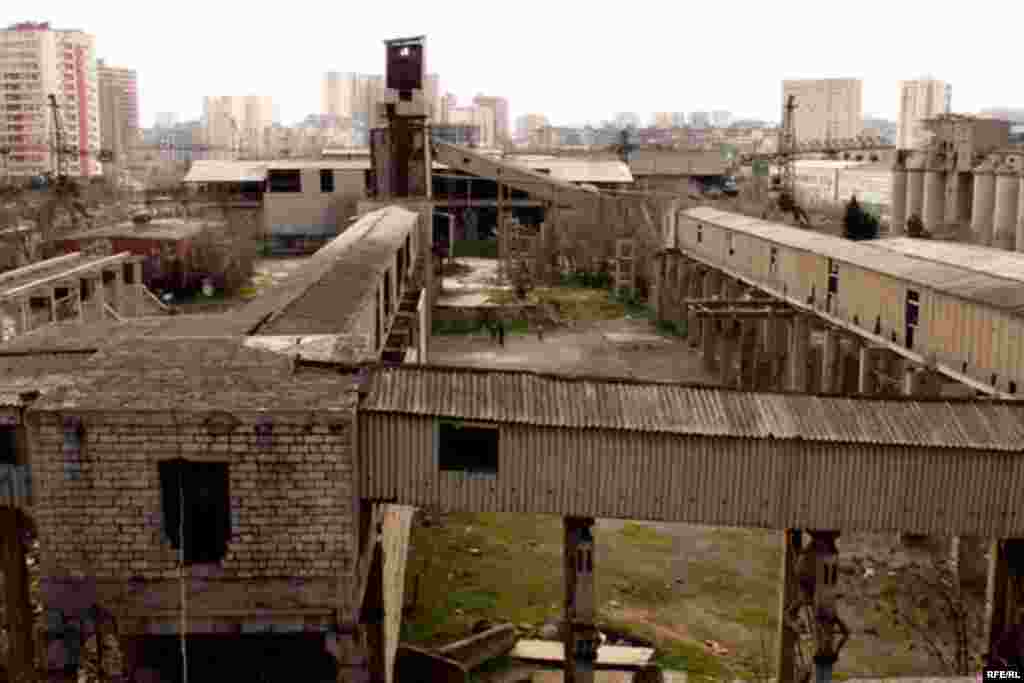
(1019, 241)
(371, 618)
(658, 293)
(1005, 209)
(830, 362)
(983, 205)
(750, 355)
(778, 340)
(53, 304)
(866, 382)
(934, 199)
(119, 290)
(694, 289)
(792, 544)
(918, 382)
(137, 282)
(799, 344)
(915, 194)
(580, 637)
(78, 285)
(1003, 599)
(730, 344)
(898, 195)
(709, 333)
(18, 609)
(101, 296)
(25, 307)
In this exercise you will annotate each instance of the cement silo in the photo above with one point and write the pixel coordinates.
(915, 193)
(898, 197)
(1005, 210)
(1020, 215)
(982, 213)
(934, 201)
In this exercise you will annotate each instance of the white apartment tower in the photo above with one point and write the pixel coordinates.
(235, 125)
(351, 95)
(920, 100)
(826, 109)
(35, 62)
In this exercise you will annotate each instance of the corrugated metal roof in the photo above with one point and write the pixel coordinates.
(550, 401)
(999, 292)
(580, 170)
(997, 262)
(208, 171)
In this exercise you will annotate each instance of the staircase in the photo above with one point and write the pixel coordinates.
(402, 335)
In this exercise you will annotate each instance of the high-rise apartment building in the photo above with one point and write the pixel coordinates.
(352, 96)
(125, 82)
(481, 118)
(826, 109)
(235, 125)
(920, 100)
(37, 61)
(498, 105)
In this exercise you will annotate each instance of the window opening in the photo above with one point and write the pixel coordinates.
(387, 294)
(200, 489)
(289, 180)
(8, 445)
(911, 316)
(773, 260)
(729, 243)
(833, 284)
(326, 180)
(700, 233)
(468, 447)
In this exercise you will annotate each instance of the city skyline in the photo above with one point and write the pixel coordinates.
(589, 86)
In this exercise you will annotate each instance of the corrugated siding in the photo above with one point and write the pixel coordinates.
(702, 480)
(545, 400)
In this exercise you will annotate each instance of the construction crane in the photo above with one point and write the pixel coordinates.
(65, 191)
(785, 159)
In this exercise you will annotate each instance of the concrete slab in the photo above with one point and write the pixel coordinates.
(631, 340)
(607, 655)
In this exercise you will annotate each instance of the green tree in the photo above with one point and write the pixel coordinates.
(858, 223)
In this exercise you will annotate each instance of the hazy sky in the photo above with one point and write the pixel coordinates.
(572, 61)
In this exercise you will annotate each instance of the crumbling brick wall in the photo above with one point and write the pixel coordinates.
(292, 542)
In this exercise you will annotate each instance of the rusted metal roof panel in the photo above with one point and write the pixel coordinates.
(546, 400)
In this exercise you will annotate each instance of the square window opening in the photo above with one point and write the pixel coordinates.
(199, 490)
(326, 180)
(468, 447)
(289, 180)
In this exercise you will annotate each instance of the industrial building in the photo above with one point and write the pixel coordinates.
(37, 61)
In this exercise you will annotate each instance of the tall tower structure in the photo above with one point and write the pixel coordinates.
(920, 100)
(827, 109)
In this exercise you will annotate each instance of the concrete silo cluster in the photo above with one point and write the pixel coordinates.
(968, 181)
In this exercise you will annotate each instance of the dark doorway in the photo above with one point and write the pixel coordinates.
(206, 505)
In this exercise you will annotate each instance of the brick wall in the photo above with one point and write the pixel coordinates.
(100, 513)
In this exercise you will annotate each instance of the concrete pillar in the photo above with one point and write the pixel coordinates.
(101, 296)
(138, 284)
(934, 200)
(657, 296)
(830, 363)
(1019, 241)
(18, 609)
(915, 194)
(961, 187)
(792, 543)
(709, 339)
(78, 285)
(712, 288)
(1002, 604)
(53, 304)
(119, 304)
(696, 286)
(898, 197)
(26, 315)
(777, 343)
(983, 206)
(799, 344)
(729, 344)
(580, 637)
(1005, 209)
(750, 355)
(866, 382)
